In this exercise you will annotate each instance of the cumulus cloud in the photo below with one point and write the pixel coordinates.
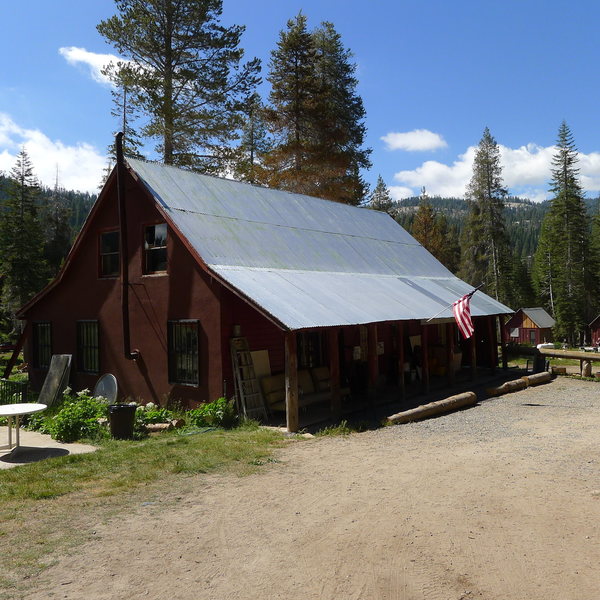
(526, 172)
(418, 140)
(80, 166)
(93, 61)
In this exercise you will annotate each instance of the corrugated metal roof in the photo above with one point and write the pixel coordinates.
(540, 317)
(307, 262)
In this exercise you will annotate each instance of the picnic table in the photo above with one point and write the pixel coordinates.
(14, 412)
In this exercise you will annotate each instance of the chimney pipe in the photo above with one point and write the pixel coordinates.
(129, 354)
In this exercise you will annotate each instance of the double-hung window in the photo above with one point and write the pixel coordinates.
(183, 342)
(88, 347)
(109, 254)
(155, 248)
(42, 345)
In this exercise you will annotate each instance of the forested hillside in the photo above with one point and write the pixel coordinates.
(523, 217)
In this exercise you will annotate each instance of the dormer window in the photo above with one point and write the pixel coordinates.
(155, 248)
(109, 254)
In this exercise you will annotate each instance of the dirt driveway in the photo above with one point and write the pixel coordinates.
(498, 502)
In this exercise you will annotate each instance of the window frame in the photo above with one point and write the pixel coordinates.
(192, 351)
(147, 250)
(36, 347)
(312, 349)
(84, 348)
(101, 254)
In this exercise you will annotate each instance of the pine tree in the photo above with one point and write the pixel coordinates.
(487, 254)
(380, 198)
(248, 161)
(562, 268)
(22, 265)
(185, 76)
(55, 214)
(316, 116)
(292, 114)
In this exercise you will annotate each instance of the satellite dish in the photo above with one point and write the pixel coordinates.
(106, 387)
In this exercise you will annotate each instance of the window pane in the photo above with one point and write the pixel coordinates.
(155, 248)
(42, 345)
(109, 254)
(88, 348)
(183, 352)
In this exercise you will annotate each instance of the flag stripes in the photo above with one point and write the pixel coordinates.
(462, 314)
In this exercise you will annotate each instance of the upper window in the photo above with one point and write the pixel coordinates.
(155, 248)
(312, 349)
(109, 254)
(88, 347)
(42, 345)
(183, 352)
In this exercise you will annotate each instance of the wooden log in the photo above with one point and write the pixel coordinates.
(507, 388)
(292, 412)
(537, 378)
(559, 370)
(434, 408)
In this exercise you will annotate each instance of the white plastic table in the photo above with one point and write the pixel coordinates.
(16, 411)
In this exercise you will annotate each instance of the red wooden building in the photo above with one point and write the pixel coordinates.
(530, 326)
(171, 265)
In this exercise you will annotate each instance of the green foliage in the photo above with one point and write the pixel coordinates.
(77, 418)
(380, 198)
(184, 77)
(219, 413)
(341, 428)
(315, 115)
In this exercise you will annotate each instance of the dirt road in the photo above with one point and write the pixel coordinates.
(498, 502)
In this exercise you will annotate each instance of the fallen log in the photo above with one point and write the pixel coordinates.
(520, 384)
(434, 408)
(537, 378)
(507, 388)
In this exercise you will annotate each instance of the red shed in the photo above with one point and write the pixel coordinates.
(178, 279)
(530, 326)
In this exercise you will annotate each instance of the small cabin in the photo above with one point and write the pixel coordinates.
(530, 326)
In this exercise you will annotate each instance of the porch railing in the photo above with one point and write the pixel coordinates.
(13, 392)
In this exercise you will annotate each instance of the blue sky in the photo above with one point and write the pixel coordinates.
(433, 74)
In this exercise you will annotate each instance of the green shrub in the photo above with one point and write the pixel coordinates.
(219, 413)
(78, 418)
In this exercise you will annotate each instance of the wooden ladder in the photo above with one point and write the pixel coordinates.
(247, 388)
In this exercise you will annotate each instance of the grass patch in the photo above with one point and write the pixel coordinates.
(49, 506)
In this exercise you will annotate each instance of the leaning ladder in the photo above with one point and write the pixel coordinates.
(247, 389)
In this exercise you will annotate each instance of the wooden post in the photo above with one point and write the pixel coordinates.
(450, 352)
(424, 359)
(474, 353)
(401, 380)
(372, 359)
(493, 344)
(334, 373)
(291, 382)
(503, 342)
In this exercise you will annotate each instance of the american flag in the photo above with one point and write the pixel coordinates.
(462, 313)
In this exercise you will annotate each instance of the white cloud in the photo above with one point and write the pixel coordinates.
(80, 166)
(526, 172)
(94, 61)
(417, 140)
(399, 192)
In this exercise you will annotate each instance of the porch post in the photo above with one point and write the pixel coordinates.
(334, 372)
(424, 359)
(493, 343)
(291, 382)
(503, 342)
(474, 353)
(400, 342)
(372, 359)
(450, 352)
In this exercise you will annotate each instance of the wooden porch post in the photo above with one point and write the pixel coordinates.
(400, 342)
(503, 342)
(474, 353)
(372, 359)
(291, 382)
(493, 343)
(424, 359)
(450, 352)
(334, 372)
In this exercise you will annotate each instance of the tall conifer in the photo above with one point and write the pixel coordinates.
(562, 266)
(486, 252)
